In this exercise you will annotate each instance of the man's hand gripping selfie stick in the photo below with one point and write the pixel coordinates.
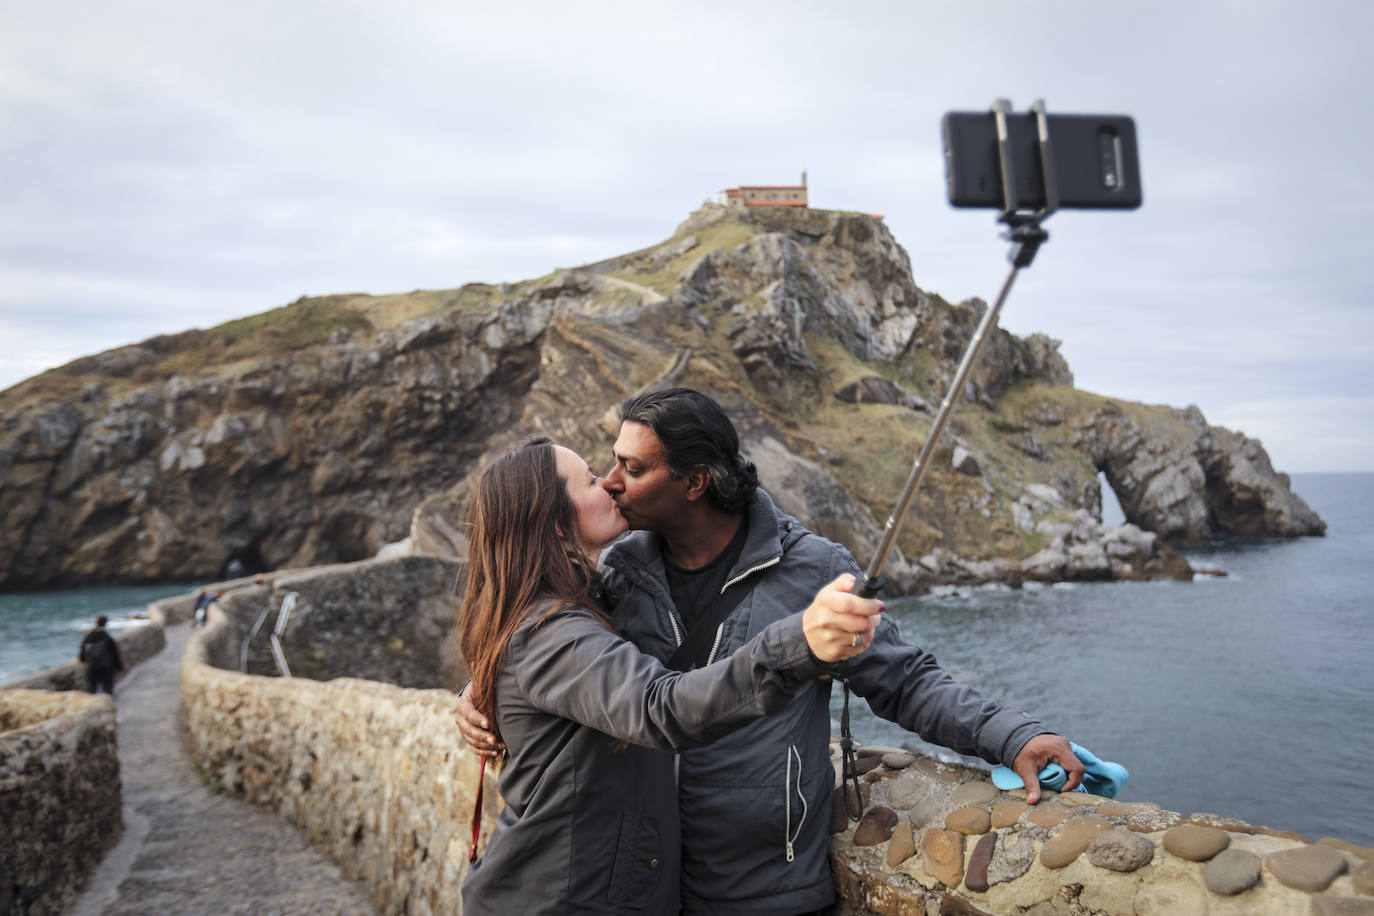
(1026, 237)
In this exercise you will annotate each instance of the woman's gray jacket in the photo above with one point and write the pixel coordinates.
(591, 825)
(756, 804)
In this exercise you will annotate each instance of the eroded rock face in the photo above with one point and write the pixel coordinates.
(1195, 483)
(807, 490)
(331, 451)
(291, 462)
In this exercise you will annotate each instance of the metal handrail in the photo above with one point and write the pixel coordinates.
(288, 604)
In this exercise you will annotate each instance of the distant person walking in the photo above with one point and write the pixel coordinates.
(203, 602)
(100, 653)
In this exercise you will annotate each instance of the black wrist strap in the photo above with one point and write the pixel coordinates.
(849, 764)
(694, 649)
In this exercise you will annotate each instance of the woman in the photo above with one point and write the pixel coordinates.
(591, 819)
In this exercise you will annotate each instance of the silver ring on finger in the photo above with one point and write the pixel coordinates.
(857, 641)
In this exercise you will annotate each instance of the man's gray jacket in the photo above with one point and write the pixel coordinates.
(591, 825)
(755, 805)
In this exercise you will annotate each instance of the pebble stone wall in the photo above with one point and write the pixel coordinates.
(59, 796)
(939, 838)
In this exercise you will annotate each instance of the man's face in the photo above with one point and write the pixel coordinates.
(642, 483)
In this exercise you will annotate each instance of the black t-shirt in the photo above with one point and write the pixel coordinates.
(694, 590)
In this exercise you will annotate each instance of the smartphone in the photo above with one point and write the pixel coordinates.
(1095, 160)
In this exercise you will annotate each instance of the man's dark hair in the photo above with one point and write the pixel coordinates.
(696, 433)
(101, 620)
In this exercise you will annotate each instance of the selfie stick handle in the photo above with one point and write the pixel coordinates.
(1026, 236)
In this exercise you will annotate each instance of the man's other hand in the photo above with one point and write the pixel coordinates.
(1037, 754)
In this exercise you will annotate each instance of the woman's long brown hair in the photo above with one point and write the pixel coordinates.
(517, 557)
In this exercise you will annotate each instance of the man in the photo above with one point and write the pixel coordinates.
(755, 806)
(203, 600)
(100, 653)
(202, 608)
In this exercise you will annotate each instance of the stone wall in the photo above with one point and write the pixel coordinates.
(375, 774)
(59, 794)
(59, 772)
(940, 838)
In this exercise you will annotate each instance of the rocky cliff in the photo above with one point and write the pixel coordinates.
(325, 429)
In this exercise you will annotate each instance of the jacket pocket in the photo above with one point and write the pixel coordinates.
(794, 806)
(638, 860)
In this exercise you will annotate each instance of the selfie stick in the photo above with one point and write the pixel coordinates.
(1026, 237)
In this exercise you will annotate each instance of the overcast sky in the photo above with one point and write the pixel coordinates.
(171, 165)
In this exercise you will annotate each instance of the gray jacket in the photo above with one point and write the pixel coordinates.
(755, 806)
(591, 826)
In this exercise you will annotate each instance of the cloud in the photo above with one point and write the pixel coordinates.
(176, 165)
(1331, 433)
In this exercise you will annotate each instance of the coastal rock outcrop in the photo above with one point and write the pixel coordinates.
(323, 430)
(1195, 483)
(291, 462)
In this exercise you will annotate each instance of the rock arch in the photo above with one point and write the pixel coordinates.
(1190, 482)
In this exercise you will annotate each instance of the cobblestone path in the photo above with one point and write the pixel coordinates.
(186, 850)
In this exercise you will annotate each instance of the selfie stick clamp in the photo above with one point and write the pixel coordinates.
(1026, 236)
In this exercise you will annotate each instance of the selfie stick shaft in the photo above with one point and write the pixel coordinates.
(1026, 236)
(872, 580)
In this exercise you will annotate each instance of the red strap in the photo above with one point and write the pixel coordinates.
(477, 810)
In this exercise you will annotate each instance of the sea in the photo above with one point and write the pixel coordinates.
(1249, 695)
(39, 630)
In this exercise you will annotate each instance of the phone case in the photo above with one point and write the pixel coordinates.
(1095, 160)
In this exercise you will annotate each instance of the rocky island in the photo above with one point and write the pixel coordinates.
(326, 429)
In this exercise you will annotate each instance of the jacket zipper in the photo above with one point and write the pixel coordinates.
(720, 628)
(711, 656)
(677, 631)
(751, 571)
(677, 756)
(790, 836)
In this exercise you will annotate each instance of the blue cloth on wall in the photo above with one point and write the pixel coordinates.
(1102, 777)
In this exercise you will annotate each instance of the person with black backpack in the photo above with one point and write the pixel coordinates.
(100, 653)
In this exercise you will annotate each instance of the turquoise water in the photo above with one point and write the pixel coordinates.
(1250, 696)
(41, 629)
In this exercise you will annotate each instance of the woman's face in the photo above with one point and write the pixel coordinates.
(598, 518)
